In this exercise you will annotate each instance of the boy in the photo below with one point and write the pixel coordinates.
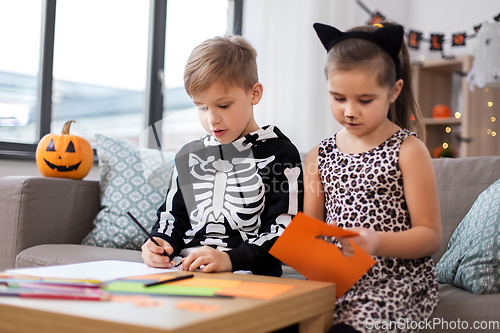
(234, 190)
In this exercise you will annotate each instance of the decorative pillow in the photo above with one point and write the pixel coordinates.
(132, 179)
(472, 258)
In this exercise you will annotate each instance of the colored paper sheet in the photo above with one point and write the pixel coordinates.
(195, 282)
(48, 282)
(260, 290)
(300, 248)
(55, 292)
(210, 283)
(52, 287)
(163, 289)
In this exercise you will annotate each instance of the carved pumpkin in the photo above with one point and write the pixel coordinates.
(64, 155)
(440, 152)
(441, 111)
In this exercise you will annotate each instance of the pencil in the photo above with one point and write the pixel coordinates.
(179, 278)
(147, 234)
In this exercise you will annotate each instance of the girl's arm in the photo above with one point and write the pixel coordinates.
(424, 237)
(314, 197)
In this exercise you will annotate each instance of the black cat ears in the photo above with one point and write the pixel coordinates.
(389, 38)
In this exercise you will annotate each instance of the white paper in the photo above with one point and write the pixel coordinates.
(105, 270)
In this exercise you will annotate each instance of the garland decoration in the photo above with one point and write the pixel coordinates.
(436, 40)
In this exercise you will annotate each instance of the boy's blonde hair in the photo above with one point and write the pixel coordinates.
(229, 59)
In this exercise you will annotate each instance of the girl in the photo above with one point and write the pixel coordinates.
(376, 177)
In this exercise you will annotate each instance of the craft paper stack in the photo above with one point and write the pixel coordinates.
(100, 279)
(197, 286)
(32, 287)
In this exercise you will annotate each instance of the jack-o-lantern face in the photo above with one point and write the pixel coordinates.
(64, 155)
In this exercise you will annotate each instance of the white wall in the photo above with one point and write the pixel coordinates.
(291, 58)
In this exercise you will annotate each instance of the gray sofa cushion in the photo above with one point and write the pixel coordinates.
(61, 254)
(459, 183)
(40, 210)
(459, 304)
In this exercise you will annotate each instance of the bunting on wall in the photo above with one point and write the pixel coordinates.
(459, 39)
(376, 18)
(436, 40)
(414, 38)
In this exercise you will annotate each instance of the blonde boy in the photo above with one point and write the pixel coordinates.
(235, 190)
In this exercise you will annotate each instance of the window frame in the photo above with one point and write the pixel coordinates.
(153, 110)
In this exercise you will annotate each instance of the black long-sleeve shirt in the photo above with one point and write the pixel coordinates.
(236, 197)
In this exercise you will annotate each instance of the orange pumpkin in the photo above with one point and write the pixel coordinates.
(64, 155)
(441, 111)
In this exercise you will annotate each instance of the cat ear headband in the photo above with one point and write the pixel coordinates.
(389, 38)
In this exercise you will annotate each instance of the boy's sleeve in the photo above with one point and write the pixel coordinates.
(173, 219)
(283, 199)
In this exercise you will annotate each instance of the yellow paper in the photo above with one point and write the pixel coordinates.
(317, 260)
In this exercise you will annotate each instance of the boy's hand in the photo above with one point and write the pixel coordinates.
(152, 254)
(213, 261)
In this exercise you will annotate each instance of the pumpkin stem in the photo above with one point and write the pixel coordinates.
(65, 129)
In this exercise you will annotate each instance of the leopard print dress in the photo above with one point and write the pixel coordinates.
(366, 190)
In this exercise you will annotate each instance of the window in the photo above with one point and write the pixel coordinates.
(98, 71)
(100, 61)
(180, 122)
(19, 58)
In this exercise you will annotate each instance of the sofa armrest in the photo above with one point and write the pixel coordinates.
(38, 210)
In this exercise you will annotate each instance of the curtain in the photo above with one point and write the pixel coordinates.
(291, 61)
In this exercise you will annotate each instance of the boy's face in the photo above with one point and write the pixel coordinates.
(227, 112)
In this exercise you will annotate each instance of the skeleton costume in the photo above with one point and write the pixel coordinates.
(235, 197)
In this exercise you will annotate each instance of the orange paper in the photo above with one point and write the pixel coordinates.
(210, 283)
(197, 307)
(260, 290)
(299, 248)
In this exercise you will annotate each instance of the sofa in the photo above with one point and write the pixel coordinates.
(44, 220)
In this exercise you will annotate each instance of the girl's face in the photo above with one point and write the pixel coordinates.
(358, 102)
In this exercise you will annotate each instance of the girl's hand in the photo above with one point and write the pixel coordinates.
(152, 254)
(211, 259)
(368, 240)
